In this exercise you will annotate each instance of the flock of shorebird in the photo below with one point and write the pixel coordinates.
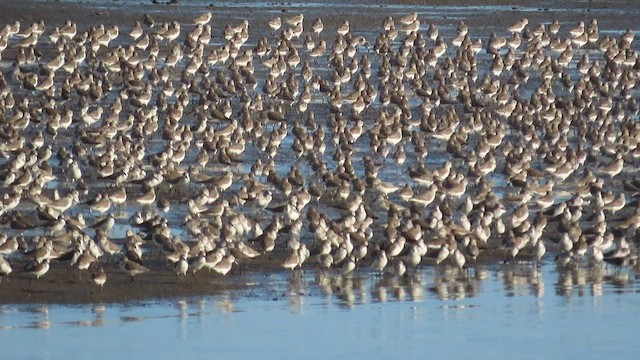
(338, 150)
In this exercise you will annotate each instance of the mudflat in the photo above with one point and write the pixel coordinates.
(64, 284)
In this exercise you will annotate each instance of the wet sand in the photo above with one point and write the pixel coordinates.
(66, 285)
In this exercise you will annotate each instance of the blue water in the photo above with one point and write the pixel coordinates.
(499, 313)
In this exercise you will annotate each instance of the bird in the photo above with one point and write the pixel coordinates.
(181, 266)
(132, 268)
(225, 265)
(203, 19)
(292, 261)
(35, 270)
(197, 263)
(99, 277)
(379, 261)
(275, 23)
(297, 256)
(5, 268)
(518, 26)
(317, 26)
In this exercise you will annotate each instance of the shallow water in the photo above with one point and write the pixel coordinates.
(499, 312)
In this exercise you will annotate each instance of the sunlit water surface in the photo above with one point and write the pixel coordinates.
(500, 312)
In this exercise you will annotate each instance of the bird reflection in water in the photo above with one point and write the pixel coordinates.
(296, 291)
(522, 279)
(224, 303)
(402, 288)
(349, 289)
(182, 316)
(98, 310)
(43, 313)
(590, 279)
(453, 284)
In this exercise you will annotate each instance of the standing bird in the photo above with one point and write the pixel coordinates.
(297, 257)
(317, 26)
(443, 254)
(379, 261)
(518, 26)
(137, 31)
(181, 266)
(5, 268)
(34, 270)
(203, 19)
(225, 265)
(344, 28)
(459, 259)
(99, 277)
(292, 261)
(275, 24)
(409, 19)
(538, 252)
(197, 263)
(132, 268)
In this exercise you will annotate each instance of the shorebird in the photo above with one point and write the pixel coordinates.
(181, 266)
(620, 254)
(614, 167)
(295, 19)
(292, 261)
(518, 26)
(132, 268)
(99, 277)
(343, 29)
(64, 203)
(577, 30)
(100, 204)
(242, 250)
(459, 259)
(386, 188)
(5, 267)
(39, 254)
(197, 263)
(34, 270)
(137, 31)
(347, 266)
(379, 260)
(296, 258)
(147, 198)
(443, 254)
(408, 19)
(9, 246)
(275, 24)
(398, 268)
(203, 19)
(85, 260)
(224, 266)
(213, 257)
(317, 26)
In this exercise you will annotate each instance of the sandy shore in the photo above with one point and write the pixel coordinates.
(65, 285)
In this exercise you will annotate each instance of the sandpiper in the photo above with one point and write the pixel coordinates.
(5, 267)
(99, 277)
(225, 265)
(35, 270)
(132, 268)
